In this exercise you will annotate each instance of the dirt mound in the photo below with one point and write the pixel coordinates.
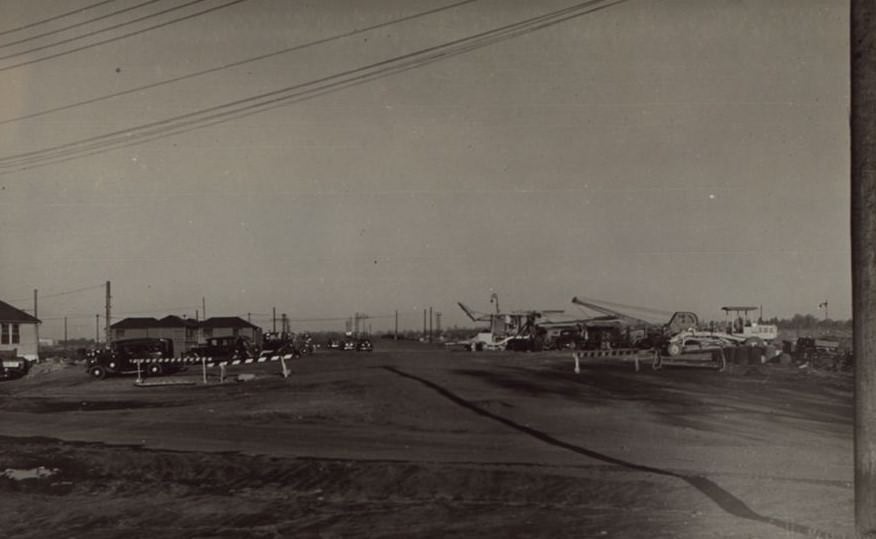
(49, 366)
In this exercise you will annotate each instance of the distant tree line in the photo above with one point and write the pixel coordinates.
(808, 321)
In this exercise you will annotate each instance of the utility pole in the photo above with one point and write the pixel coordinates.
(438, 323)
(108, 312)
(204, 307)
(863, 220)
(424, 324)
(96, 329)
(36, 314)
(824, 306)
(274, 319)
(430, 324)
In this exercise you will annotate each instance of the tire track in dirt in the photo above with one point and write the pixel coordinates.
(724, 499)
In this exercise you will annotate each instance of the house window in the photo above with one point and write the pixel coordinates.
(120, 333)
(236, 332)
(4, 333)
(208, 333)
(16, 336)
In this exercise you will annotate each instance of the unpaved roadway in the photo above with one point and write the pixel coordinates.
(412, 440)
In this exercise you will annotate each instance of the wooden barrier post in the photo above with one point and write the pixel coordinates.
(204, 368)
(577, 363)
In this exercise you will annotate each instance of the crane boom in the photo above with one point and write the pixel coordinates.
(610, 312)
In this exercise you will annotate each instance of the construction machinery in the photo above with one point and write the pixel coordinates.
(680, 335)
(514, 330)
(739, 323)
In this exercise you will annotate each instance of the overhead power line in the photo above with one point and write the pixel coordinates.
(58, 294)
(299, 92)
(72, 26)
(54, 18)
(239, 63)
(116, 38)
(115, 315)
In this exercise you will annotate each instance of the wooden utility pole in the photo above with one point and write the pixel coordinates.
(430, 324)
(863, 221)
(108, 312)
(36, 314)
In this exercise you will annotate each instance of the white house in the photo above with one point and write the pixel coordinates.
(18, 333)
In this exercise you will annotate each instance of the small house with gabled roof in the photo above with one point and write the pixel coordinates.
(18, 332)
(182, 331)
(230, 326)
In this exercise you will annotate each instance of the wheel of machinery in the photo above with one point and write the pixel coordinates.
(97, 372)
(673, 349)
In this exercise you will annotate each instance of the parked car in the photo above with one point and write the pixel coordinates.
(349, 345)
(223, 347)
(364, 345)
(117, 359)
(334, 344)
(13, 367)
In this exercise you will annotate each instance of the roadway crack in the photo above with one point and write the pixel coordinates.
(724, 499)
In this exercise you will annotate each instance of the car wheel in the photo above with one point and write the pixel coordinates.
(154, 369)
(97, 372)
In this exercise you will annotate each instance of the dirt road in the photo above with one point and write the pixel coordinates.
(417, 441)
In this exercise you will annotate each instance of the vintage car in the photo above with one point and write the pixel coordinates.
(12, 367)
(119, 358)
(231, 347)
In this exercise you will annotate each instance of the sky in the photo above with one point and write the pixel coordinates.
(669, 154)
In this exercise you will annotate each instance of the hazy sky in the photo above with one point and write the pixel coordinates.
(672, 154)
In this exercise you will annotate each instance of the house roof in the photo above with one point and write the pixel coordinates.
(8, 313)
(170, 321)
(136, 323)
(227, 322)
(173, 321)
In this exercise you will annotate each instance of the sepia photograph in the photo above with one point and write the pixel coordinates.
(437, 268)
